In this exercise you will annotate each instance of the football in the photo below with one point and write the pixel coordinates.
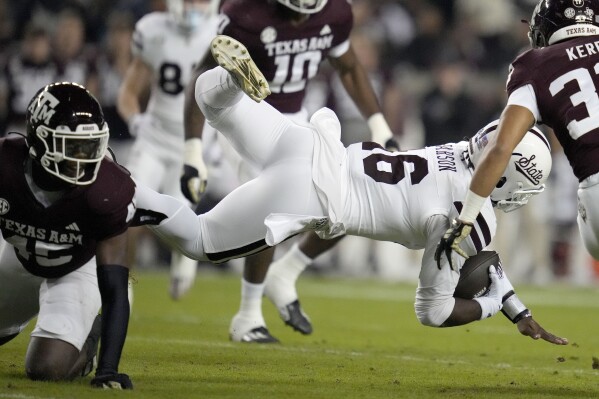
(474, 276)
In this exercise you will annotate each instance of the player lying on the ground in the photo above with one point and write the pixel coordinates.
(310, 182)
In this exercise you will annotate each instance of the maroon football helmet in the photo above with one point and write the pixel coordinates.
(556, 20)
(66, 132)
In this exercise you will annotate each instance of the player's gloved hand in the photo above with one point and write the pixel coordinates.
(112, 381)
(492, 301)
(134, 124)
(451, 241)
(392, 145)
(529, 327)
(195, 174)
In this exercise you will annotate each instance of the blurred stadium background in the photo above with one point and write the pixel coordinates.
(439, 67)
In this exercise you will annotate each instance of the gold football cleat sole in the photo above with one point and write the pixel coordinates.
(235, 58)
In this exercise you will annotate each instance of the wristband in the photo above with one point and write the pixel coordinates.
(513, 308)
(379, 128)
(472, 207)
(193, 155)
(193, 150)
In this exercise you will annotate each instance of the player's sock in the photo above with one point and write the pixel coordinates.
(251, 300)
(218, 89)
(248, 324)
(283, 274)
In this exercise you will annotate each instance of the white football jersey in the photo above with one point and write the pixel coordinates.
(390, 196)
(172, 54)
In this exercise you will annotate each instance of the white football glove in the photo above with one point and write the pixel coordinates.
(492, 302)
(135, 123)
(194, 177)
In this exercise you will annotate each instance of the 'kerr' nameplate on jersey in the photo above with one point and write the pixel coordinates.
(565, 80)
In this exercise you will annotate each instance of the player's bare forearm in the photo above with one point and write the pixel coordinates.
(356, 82)
(464, 311)
(137, 80)
(513, 125)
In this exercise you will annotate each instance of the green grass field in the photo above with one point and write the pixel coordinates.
(367, 343)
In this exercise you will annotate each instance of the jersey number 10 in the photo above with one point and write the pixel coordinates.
(289, 76)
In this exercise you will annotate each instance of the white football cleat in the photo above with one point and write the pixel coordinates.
(248, 330)
(235, 58)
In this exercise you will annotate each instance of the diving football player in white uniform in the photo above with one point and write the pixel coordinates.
(310, 182)
(289, 40)
(166, 48)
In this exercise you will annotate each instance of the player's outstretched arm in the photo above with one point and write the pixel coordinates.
(112, 282)
(515, 311)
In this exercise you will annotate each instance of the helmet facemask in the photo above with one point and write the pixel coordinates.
(304, 6)
(73, 156)
(188, 14)
(519, 198)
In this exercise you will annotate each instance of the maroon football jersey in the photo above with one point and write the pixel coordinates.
(55, 240)
(288, 55)
(565, 79)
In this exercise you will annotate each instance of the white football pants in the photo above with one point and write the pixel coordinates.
(281, 149)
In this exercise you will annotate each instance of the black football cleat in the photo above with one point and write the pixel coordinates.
(293, 315)
(92, 341)
(259, 335)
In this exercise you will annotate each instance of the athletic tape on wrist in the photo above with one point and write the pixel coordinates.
(472, 207)
(513, 308)
(379, 128)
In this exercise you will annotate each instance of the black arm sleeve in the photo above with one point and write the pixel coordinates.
(112, 281)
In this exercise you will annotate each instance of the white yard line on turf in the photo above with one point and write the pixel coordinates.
(21, 396)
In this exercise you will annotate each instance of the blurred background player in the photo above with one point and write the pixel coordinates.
(288, 41)
(166, 48)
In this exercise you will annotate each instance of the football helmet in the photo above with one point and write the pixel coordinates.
(189, 14)
(304, 6)
(66, 132)
(552, 21)
(526, 172)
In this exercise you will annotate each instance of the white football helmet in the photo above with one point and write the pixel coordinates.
(526, 172)
(304, 6)
(189, 13)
